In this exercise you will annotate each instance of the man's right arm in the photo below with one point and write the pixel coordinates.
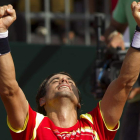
(12, 96)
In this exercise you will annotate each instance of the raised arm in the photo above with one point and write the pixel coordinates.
(117, 93)
(12, 96)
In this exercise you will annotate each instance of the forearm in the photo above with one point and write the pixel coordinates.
(131, 65)
(130, 68)
(7, 72)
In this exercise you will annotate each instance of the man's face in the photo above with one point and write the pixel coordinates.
(61, 86)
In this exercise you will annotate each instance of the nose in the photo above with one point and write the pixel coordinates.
(64, 80)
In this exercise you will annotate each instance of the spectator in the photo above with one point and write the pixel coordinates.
(58, 26)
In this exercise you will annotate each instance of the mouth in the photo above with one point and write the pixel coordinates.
(64, 86)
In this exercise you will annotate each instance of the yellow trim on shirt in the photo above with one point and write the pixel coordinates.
(105, 122)
(96, 135)
(87, 116)
(19, 130)
(24, 126)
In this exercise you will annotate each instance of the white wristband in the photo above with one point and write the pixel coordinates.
(136, 40)
(4, 35)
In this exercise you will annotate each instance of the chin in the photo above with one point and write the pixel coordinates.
(65, 94)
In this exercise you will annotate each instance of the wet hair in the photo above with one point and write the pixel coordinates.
(42, 92)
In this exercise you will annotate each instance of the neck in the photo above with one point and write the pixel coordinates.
(62, 113)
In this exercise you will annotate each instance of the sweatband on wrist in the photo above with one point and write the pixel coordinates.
(136, 39)
(4, 44)
(4, 35)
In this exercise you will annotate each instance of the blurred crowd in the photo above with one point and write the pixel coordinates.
(17, 32)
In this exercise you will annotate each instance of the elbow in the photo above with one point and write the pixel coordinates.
(8, 88)
(127, 82)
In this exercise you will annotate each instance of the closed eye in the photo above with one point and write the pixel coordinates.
(71, 82)
(54, 81)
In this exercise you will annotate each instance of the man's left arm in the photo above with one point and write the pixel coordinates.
(117, 93)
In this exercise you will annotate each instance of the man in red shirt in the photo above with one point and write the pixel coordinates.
(61, 120)
(58, 97)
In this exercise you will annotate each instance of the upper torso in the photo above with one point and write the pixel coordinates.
(90, 126)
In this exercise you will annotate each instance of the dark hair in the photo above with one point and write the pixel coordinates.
(42, 92)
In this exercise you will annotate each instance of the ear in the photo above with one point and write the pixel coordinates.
(79, 106)
(42, 101)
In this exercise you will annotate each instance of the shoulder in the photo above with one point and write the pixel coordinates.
(90, 116)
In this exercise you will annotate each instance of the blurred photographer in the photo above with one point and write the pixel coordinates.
(122, 19)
